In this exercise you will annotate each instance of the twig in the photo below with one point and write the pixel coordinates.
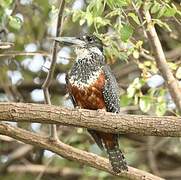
(6, 138)
(40, 175)
(71, 153)
(29, 86)
(16, 155)
(151, 155)
(53, 131)
(160, 59)
(17, 53)
(34, 169)
(100, 121)
(172, 174)
(140, 18)
(5, 45)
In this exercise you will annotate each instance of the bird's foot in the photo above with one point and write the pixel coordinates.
(101, 110)
(78, 107)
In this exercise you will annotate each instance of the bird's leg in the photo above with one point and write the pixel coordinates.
(78, 107)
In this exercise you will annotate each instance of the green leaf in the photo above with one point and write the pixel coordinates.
(179, 12)
(161, 108)
(135, 54)
(117, 3)
(134, 17)
(126, 32)
(121, 3)
(125, 100)
(89, 18)
(15, 22)
(145, 103)
(155, 8)
(169, 12)
(161, 12)
(77, 15)
(138, 83)
(110, 3)
(113, 13)
(147, 5)
(131, 91)
(162, 24)
(99, 8)
(82, 21)
(96, 7)
(5, 3)
(101, 21)
(178, 73)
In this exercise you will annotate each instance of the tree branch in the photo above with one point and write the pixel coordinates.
(35, 169)
(16, 155)
(46, 84)
(100, 121)
(71, 153)
(162, 65)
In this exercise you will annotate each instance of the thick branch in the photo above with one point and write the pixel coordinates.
(162, 65)
(71, 153)
(102, 121)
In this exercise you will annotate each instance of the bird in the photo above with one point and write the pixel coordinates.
(91, 85)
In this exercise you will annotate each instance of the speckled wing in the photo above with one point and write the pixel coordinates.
(111, 91)
(110, 141)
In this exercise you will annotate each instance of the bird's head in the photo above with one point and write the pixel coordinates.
(88, 42)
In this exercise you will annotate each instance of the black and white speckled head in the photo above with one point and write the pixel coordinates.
(92, 41)
(89, 60)
(84, 45)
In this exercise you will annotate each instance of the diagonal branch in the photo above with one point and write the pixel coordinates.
(162, 65)
(101, 121)
(71, 153)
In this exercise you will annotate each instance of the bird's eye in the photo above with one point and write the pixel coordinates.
(90, 39)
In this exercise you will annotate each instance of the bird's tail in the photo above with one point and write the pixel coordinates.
(116, 156)
(117, 160)
(110, 143)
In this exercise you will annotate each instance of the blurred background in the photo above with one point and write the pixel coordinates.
(26, 28)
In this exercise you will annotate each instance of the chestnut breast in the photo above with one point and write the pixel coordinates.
(89, 97)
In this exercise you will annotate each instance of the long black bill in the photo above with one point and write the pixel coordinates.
(69, 41)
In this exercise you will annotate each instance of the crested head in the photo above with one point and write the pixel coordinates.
(91, 44)
(91, 41)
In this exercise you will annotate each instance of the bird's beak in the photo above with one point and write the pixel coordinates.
(70, 41)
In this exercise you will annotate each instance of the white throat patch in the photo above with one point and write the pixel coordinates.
(82, 53)
(85, 53)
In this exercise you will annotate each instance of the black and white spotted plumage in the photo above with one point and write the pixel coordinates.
(111, 91)
(92, 85)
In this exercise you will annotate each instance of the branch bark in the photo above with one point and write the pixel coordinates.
(101, 121)
(162, 65)
(71, 153)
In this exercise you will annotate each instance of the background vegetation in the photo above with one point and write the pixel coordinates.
(27, 27)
